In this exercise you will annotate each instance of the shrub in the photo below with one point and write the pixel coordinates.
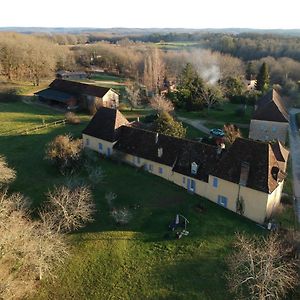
(7, 174)
(72, 118)
(65, 152)
(121, 216)
(110, 197)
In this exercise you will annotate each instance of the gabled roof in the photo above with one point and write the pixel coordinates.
(54, 95)
(105, 124)
(261, 159)
(175, 152)
(78, 88)
(280, 152)
(205, 156)
(145, 144)
(271, 107)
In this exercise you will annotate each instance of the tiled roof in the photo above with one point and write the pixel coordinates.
(54, 95)
(78, 88)
(175, 152)
(145, 144)
(271, 107)
(261, 159)
(105, 124)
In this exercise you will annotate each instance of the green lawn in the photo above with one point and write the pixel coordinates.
(192, 132)
(226, 113)
(106, 77)
(137, 261)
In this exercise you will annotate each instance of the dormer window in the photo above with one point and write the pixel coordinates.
(194, 168)
(159, 152)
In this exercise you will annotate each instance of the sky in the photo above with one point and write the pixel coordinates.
(265, 14)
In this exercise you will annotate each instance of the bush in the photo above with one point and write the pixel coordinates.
(121, 216)
(72, 118)
(65, 152)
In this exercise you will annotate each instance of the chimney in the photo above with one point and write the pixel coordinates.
(138, 119)
(245, 167)
(156, 138)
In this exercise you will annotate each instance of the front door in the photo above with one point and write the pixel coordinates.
(108, 151)
(191, 185)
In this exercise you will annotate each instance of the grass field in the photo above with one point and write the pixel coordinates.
(225, 113)
(137, 261)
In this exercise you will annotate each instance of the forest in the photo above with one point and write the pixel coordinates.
(154, 59)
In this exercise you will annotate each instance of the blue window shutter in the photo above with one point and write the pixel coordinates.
(183, 180)
(222, 201)
(160, 170)
(215, 182)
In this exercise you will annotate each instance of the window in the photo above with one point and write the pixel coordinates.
(150, 168)
(146, 167)
(194, 168)
(87, 142)
(215, 182)
(108, 151)
(222, 201)
(160, 170)
(183, 180)
(138, 160)
(274, 128)
(100, 147)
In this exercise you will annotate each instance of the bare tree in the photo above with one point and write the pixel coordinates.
(133, 95)
(232, 132)
(68, 209)
(261, 268)
(29, 249)
(7, 174)
(154, 70)
(159, 103)
(65, 152)
(210, 95)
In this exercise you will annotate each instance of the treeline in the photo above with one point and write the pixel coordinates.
(31, 58)
(35, 57)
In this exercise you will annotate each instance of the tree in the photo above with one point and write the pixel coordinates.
(190, 89)
(250, 72)
(234, 86)
(29, 249)
(263, 78)
(7, 174)
(232, 132)
(261, 268)
(159, 103)
(165, 124)
(68, 209)
(133, 95)
(65, 152)
(210, 95)
(154, 70)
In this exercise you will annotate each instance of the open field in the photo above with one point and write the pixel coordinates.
(141, 260)
(225, 113)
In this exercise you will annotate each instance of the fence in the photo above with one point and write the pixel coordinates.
(34, 129)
